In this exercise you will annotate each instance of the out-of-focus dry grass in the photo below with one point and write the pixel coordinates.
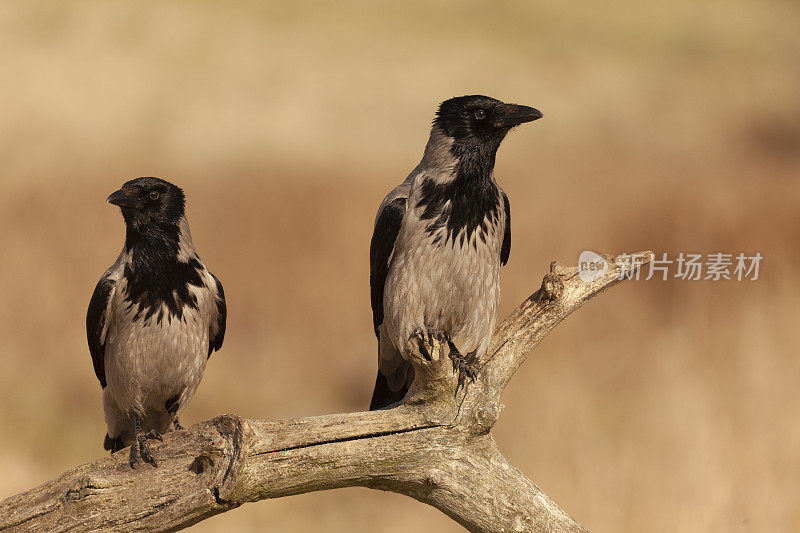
(672, 126)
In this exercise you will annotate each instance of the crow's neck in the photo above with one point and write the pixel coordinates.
(465, 202)
(152, 246)
(474, 175)
(163, 266)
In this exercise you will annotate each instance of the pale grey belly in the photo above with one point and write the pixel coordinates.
(146, 365)
(444, 288)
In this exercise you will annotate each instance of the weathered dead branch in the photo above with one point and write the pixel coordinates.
(436, 448)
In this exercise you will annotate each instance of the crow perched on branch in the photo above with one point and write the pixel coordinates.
(154, 319)
(440, 238)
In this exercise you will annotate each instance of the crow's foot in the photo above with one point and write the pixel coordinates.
(154, 435)
(462, 364)
(424, 345)
(140, 449)
(429, 343)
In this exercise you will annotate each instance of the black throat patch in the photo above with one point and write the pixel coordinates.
(155, 276)
(464, 204)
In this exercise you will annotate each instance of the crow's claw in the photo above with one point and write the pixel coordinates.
(140, 449)
(462, 364)
(424, 344)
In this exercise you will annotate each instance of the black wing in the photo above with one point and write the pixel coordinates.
(505, 249)
(95, 323)
(380, 250)
(215, 342)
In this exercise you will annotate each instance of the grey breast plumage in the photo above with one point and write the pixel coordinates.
(426, 279)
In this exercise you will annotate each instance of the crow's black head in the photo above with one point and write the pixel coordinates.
(458, 190)
(149, 203)
(480, 121)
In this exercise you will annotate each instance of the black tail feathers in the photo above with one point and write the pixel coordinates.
(383, 396)
(114, 445)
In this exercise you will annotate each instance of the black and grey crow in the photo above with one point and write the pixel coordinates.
(439, 240)
(154, 319)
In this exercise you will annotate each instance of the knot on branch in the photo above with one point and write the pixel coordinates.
(552, 285)
(81, 489)
(485, 417)
(434, 477)
(206, 460)
(221, 457)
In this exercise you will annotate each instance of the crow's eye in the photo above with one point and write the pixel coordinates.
(154, 195)
(479, 114)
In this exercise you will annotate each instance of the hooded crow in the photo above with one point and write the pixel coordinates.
(439, 240)
(154, 319)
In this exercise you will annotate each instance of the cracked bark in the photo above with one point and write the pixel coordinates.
(437, 448)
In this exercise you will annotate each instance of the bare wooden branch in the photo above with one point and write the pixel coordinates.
(436, 448)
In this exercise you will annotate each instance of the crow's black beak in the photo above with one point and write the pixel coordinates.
(515, 115)
(123, 200)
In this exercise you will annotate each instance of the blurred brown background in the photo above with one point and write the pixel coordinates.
(669, 125)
